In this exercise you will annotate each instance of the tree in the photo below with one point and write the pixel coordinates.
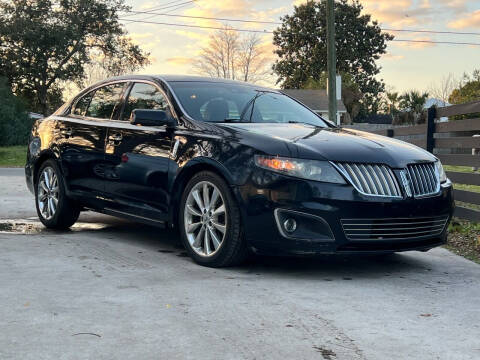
(468, 89)
(301, 43)
(15, 124)
(351, 95)
(413, 102)
(230, 56)
(393, 100)
(442, 89)
(46, 42)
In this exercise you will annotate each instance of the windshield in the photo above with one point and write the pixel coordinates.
(224, 102)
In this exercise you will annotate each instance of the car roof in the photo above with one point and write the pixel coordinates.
(183, 78)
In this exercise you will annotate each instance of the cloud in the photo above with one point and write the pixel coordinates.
(471, 20)
(392, 57)
(180, 60)
(140, 36)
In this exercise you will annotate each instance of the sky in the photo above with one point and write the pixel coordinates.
(405, 66)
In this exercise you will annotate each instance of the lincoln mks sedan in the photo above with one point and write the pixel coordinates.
(235, 168)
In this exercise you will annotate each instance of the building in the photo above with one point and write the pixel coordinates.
(317, 100)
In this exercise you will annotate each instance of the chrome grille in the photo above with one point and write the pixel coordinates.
(393, 229)
(371, 179)
(423, 179)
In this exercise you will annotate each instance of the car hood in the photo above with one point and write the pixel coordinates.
(335, 144)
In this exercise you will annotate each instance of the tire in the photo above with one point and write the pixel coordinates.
(65, 212)
(226, 248)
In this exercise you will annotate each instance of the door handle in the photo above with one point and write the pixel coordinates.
(115, 139)
(66, 132)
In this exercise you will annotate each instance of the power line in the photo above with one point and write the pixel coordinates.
(197, 26)
(437, 42)
(175, 4)
(205, 17)
(433, 32)
(271, 32)
(167, 5)
(279, 23)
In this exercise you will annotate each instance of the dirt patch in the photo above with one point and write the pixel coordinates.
(20, 227)
(24, 226)
(464, 239)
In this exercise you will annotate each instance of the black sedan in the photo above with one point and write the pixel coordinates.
(235, 168)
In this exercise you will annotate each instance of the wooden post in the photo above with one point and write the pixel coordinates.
(432, 114)
(331, 62)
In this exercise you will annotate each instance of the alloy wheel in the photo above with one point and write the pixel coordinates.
(205, 218)
(48, 193)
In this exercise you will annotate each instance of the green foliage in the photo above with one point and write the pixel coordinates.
(302, 47)
(351, 94)
(413, 101)
(15, 123)
(392, 102)
(46, 42)
(469, 89)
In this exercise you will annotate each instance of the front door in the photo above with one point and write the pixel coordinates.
(83, 134)
(137, 158)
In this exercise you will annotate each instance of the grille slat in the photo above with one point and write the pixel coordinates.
(424, 179)
(371, 179)
(392, 229)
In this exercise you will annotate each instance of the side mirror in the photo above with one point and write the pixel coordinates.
(152, 118)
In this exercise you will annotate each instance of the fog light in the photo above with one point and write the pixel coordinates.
(290, 225)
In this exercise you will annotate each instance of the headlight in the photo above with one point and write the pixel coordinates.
(305, 169)
(440, 171)
(35, 146)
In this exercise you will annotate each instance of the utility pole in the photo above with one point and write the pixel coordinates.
(331, 62)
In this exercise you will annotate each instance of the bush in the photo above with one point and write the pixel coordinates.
(15, 124)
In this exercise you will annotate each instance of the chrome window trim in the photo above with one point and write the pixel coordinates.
(127, 81)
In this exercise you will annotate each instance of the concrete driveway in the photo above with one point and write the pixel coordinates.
(111, 289)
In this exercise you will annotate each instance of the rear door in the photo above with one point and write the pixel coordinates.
(84, 132)
(138, 157)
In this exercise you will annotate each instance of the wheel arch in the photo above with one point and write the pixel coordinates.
(44, 156)
(187, 172)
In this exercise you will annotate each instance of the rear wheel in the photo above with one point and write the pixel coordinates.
(210, 223)
(54, 209)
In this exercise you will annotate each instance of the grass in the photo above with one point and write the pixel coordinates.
(13, 156)
(465, 169)
(463, 235)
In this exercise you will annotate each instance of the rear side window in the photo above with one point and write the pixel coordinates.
(144, 96)
(82, 104)
(105, 101)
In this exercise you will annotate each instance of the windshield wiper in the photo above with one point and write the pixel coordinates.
(301, 122)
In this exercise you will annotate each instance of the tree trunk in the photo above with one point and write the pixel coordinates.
(42, 99)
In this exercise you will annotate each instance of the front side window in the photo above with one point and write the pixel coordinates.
(144, 96)
(226, 102)
(105, 101)
(82, 104)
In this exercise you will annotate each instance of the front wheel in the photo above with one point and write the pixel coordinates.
(210, 223)
(55, 210)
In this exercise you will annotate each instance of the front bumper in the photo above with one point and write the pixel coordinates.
(265, 193)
